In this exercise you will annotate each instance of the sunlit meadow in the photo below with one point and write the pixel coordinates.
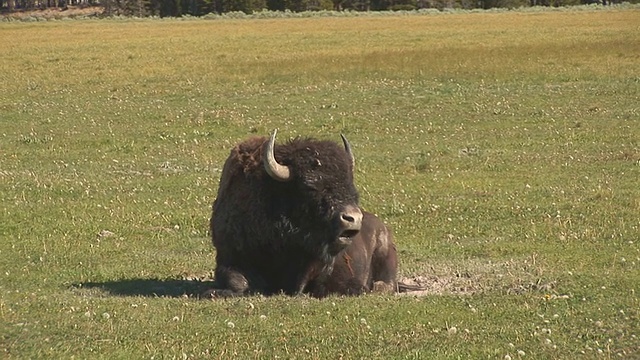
(503, 149)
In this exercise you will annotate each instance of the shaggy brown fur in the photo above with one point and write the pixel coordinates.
(270, 234)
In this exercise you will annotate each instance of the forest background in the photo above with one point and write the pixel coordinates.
(178, 8)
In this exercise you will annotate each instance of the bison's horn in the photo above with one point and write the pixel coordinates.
(275, 170)
(347, 148)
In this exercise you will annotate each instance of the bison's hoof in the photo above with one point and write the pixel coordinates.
(382, 287)
(219, 293)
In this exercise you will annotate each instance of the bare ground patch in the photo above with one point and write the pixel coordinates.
(476, 276)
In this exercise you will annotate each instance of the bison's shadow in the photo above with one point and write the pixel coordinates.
(150, 287)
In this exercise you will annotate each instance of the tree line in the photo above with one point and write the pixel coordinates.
(176, 8)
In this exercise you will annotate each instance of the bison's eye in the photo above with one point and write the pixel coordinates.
(311, 183)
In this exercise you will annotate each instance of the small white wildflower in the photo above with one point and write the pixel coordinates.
(507, 357)
(521, 353)
(105, 233)
(106, 315)
(452, 330)
(363, 321)
(230, 325)
(263, 317)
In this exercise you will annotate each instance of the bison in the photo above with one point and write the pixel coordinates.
(286, 220)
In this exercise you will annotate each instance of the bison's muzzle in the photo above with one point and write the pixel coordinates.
(349, 224)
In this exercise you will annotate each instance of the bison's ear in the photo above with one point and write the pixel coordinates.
(276, 171)
(347, 148)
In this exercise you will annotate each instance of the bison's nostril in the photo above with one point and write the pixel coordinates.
(348, 218)
(351, 219)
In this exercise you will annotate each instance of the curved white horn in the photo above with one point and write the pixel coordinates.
(347, 148)
(276, 171)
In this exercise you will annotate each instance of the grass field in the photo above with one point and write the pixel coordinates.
(502, 148)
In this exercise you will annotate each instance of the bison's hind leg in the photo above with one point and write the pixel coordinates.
(384, 270)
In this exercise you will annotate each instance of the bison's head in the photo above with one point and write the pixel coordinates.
(316, 192)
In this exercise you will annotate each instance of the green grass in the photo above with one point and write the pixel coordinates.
(502, 148)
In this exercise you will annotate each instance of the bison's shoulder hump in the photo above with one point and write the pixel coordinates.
(248, 154)
(250, 146)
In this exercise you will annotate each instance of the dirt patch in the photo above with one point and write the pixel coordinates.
(423, 285)
(476, 276)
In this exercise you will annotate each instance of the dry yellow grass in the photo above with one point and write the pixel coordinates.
(477, 45)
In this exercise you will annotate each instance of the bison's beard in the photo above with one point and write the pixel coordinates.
(322, 249)
(340, 243)
(325, 244)
(317, 271)
(309, 252)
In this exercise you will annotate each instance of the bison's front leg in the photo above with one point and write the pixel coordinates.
(316, 273)
(228, 283)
